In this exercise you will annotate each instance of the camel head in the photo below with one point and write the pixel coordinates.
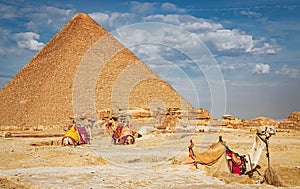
(267, 132)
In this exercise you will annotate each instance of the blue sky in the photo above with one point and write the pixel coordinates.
(253, 46)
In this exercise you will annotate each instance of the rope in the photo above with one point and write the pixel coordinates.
(251, 167)
(268, 154)
(266, 141)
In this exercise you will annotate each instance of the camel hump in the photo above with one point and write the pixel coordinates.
(213, 153)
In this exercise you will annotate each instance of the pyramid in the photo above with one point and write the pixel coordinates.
(82, 69)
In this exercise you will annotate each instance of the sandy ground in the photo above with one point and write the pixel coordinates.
(153, 162)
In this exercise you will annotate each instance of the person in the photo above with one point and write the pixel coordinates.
(71, 137)
(236, 163)
(109, 127)
(117, 134)
(73, 122)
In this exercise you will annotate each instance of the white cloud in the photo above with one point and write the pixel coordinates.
(216, 36)
(38, 17)
(171, 7)
(261, 69)
(176, 37)
(142, 8)
(236, 41)
(239, 42)
(28, 40)
(160, 34)
(267, 48)
(101, 18)
(255, 15)
(291, 72)
(4, 41)
(201, 25)
(186, 22)
(148, 51)
(7, 51)
(233, 66)
(170, 18)
(229, 40)
(112, 20)
(7, 12)
(250, 14)
(47, 16)
(6, 47)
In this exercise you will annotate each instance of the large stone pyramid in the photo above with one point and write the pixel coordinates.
(82, 69)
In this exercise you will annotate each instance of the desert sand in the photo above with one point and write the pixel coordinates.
(154, 161)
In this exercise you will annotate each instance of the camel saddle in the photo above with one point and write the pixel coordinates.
(211, 155)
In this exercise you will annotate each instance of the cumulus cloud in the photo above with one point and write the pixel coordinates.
(261, 46)
(261, 69)
(162, 34)
(213, 34)
(101, 18)
(142, 8)
(186, 22)
(112, 20)
(229, 40)
(216, 36)
(171, 7)
(6, 45)
(287, 71)
(186, 33)
(236, 41)
(36, 18)
(47, 16)
(28, 40)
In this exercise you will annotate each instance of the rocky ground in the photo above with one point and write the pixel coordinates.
(153, 162)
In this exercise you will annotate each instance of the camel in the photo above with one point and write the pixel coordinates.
(218, 157)
(124, 135)
(68, 141)
(79, 132)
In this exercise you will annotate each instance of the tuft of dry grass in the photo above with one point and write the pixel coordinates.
(270, 177)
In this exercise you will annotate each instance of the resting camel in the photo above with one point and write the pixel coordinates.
(124, 135)
(219, 157)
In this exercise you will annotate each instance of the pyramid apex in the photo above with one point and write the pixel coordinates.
(85, 20)
(81, 16)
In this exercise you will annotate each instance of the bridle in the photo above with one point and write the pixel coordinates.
(264, 136)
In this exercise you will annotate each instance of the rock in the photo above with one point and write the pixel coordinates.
(228, 117)
(291, 122)
(230, 121)
(104, 114)
(7, 135)
(140, 113)
(263, 121)
(198, 113)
